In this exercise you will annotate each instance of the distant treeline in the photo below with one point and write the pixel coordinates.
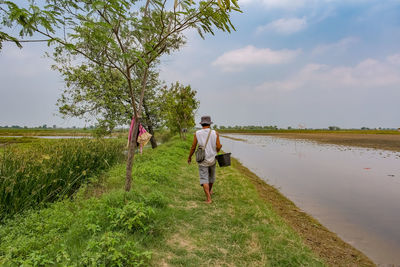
(249, 127)
(44, 126)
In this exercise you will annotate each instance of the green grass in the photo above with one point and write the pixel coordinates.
(47, 170)
(163, 220)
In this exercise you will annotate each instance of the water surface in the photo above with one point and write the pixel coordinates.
(355, 192)
(58, 136)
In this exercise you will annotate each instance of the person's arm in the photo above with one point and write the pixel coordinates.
(192, 149)
(219, 146)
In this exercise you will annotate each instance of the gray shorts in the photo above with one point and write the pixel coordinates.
(207, 174)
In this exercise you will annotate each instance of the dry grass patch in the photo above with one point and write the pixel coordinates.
(181, 240)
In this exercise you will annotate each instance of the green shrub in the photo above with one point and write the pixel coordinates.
(132, 217)
(156, 199)
(96, 231)
(112, 249)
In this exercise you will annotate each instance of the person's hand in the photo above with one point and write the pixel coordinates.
(189, 160)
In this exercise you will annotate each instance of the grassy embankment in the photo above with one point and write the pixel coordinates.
(377, 139)
(163, 221)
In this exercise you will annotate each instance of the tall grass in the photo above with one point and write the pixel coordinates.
(51, 169)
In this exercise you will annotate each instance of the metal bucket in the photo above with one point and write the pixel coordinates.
(224, 160)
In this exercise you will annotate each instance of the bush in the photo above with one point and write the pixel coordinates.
(113, 250)
(132, 217)
(96, 231)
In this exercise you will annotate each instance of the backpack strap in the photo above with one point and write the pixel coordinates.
(208, 137)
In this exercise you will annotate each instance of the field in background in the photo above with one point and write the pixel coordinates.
(44, 132)
(376, 139)
(307, 131)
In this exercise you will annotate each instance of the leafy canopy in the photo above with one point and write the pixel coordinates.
(180, 105)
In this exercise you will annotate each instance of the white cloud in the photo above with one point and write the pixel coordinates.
(297, 4)
(285, 26)
(280, 4)
(394, 59)
(238, 59)
(367, 74)
(338, 46)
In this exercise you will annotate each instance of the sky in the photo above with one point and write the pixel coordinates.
(309, 63)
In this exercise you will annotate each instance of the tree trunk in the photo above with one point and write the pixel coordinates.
(153, 140)
(149, 125)
(183, 135)
(131, 155)
(133, 142)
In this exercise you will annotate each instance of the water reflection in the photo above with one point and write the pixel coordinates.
(355, 192)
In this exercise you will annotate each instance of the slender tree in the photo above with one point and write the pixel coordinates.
(118, 34)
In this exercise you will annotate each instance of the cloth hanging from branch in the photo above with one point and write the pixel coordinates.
(143, 136)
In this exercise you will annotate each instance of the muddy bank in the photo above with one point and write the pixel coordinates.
(377, 141)
(324, 243)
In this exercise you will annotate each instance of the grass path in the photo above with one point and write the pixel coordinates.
(237, 229)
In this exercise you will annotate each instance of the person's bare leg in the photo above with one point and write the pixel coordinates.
(210, 185)
(207, 192)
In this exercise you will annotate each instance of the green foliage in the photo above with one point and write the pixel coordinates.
(51, 169)
(93, 92)
(29, 18)
(179, 107)
(92, 232)
(132, 217)
(113, 250)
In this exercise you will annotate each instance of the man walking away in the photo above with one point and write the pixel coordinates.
(212, 146)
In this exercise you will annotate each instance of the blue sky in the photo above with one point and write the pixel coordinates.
(290, 62)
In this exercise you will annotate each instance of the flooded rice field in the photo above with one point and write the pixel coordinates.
(354, 192)
(58, 136)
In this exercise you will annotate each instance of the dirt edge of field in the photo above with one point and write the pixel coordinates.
(327, 245)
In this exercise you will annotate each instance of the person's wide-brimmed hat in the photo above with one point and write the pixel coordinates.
(206, 120)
